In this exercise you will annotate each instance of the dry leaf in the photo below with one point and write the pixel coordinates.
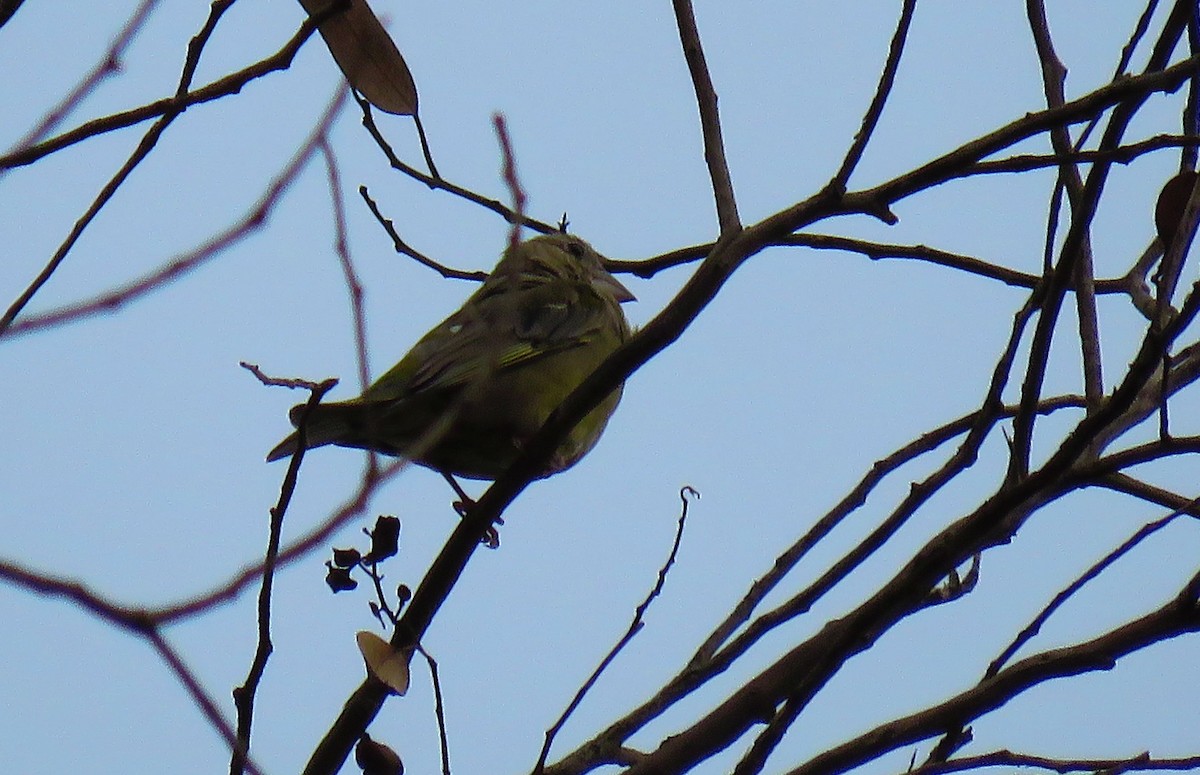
(375, 758)
(1172, 201)
(383, 661)
(368, 56)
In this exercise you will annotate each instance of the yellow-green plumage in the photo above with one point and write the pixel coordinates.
(472, 390)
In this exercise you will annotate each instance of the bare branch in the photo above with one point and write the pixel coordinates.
(254, 219)
(710, 120)
(1127, 546)
(635, 627)
(1177, 617)
(403, 247)
(222, 87)
(886, 79)
(108, 65)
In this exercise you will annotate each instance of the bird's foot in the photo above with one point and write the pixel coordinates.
(464, 504)
(491, 536)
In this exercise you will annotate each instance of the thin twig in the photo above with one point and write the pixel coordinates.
(1074, 247)
(352, 508)
(109, 64)
(404, 248)
(425, 146)
(1142, 762)
(1158, 496)
(1180, 615)
(255, 219)
(1035, 626)
(873, 250)
(635, 627)
(439, 708)
(222, 87)
(148, 142)
(341, 246)
(886, 79)
(287, 382)
(1129, 91)
(136, 620)
(755, 759)
(1121, 154)
(437, 183)
(511, 181)
(710, 120)
(1053, 77)
(244, 695)
(788, 560)
(208, 707)
(812, 663)
(1191, 118)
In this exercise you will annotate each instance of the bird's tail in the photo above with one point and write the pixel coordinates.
(326, 424)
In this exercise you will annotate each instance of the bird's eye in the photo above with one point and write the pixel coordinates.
(576, 249)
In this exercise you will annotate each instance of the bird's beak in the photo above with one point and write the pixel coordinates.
(614, 286)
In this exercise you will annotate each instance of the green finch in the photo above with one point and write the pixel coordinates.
(467, 396)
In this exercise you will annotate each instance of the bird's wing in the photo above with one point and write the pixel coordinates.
(502, 330)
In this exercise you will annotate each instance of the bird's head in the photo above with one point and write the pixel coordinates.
(562, 256)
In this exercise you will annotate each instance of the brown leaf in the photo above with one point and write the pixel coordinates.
(1172, 201)
(367, 55)
(375, 758)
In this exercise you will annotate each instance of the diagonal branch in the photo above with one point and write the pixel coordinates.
(222, 87)
(254, 219)
(1179, 616)
(108, 65)
(1035, 626)
(145, 146)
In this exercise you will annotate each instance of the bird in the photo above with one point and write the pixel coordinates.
(470, 393)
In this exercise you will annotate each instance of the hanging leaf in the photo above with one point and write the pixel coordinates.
(367, 55)
(375, 758)
(1172, 201)
(383, 661)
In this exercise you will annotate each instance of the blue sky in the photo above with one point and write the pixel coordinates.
(133, 443)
